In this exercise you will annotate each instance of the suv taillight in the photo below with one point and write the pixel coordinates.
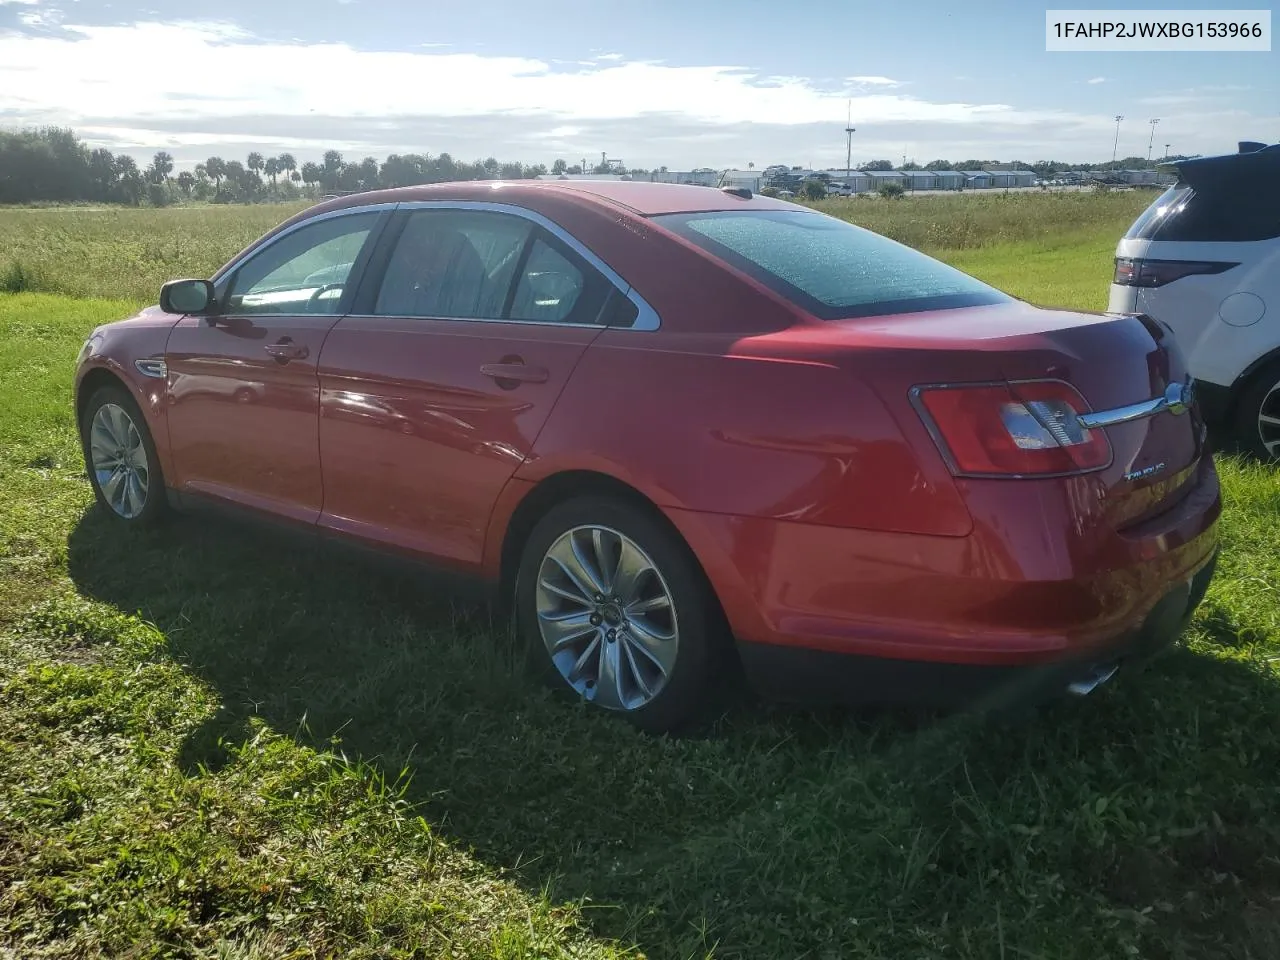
(1028, 428)
(1132, 272)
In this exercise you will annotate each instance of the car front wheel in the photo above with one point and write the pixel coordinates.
(615, 609)
(121, 458)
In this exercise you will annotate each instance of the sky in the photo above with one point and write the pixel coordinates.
(665, 83)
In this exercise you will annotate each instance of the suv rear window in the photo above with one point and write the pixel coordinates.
(829, 267)
(1222, 211)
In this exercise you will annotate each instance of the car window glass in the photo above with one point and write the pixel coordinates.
(549, 287)
(305, 271)
(1223, 211)
(829, 266)
(452, 263)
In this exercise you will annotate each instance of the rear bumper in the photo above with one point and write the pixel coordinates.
(791, 673)
(1029, 593)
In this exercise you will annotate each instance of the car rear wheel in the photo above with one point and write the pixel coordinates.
(1257, 423)
(121, 458)
(615, 609)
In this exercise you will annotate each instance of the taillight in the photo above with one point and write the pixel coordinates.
(1027, 428)
(1131, 272)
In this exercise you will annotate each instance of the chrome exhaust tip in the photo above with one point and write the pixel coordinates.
(1100, 674)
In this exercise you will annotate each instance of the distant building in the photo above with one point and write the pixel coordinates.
(880, 177)
(920, 180)
(582, 176)
(1138, 176)
(855, 182)
(949, 179)
(751, 179)
(976, 179)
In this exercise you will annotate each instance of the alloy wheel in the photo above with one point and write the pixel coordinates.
(119, 460)
(607, 617)
(1269, 421)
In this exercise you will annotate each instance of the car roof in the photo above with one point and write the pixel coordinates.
(638, 196)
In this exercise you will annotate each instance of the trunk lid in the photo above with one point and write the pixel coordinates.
(1113, 361)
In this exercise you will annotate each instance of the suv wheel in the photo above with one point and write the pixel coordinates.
(1257, 420)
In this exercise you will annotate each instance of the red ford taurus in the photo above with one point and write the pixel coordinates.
(678, 426)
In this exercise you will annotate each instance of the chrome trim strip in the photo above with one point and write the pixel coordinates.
(529, 323)
(647, 318)
(1177, 400)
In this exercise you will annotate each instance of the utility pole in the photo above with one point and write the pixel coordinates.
(1151, 141)
(848, 152)
(1166, 151)
(1116, 145)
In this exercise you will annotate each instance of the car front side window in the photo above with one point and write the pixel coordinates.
(305, 271)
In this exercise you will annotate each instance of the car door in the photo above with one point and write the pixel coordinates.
(434, 389)
(243, 389)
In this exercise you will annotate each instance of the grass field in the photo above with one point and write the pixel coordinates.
(216, 744)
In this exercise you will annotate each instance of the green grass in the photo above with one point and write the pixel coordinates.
(123, 252)
(219, 744)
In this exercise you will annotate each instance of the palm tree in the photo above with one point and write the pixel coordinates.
(216, 168)
(272, 167)
(255, 162)
(287, 164)
(161, 166)
(186, 181)
(332, 168)
(311, 173)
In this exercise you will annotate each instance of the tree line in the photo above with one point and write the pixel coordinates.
(52, 164)
(1043, 168)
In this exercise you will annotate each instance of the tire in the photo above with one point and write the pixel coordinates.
(669, 644)
(1261, 398)
(113, 431)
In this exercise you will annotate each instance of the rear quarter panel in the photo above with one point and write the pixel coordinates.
(702, 425)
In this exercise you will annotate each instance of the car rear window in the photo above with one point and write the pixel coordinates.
(1221, 211)
(829, 267)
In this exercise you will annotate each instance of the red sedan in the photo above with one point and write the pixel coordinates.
(676, 426)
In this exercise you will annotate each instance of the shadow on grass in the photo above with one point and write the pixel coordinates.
(783, 834)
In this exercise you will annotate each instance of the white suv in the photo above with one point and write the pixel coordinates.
(1204, 259)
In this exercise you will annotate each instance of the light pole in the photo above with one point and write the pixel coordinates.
(849, 130)
(1151, 141)
(1116, 145)
(1166, 151)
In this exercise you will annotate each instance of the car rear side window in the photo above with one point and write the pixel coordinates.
(832, 268)
(453, 263)
(1220, 211)
(549, 286)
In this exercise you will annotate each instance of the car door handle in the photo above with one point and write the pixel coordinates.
(286, 349)
(515, 372)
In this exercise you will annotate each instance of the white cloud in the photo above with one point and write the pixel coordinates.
(30, 3)
(874, 82)
(1096, 80)
(135, 87)
(148, 65)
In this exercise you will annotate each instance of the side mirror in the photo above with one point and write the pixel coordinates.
(186, 296)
